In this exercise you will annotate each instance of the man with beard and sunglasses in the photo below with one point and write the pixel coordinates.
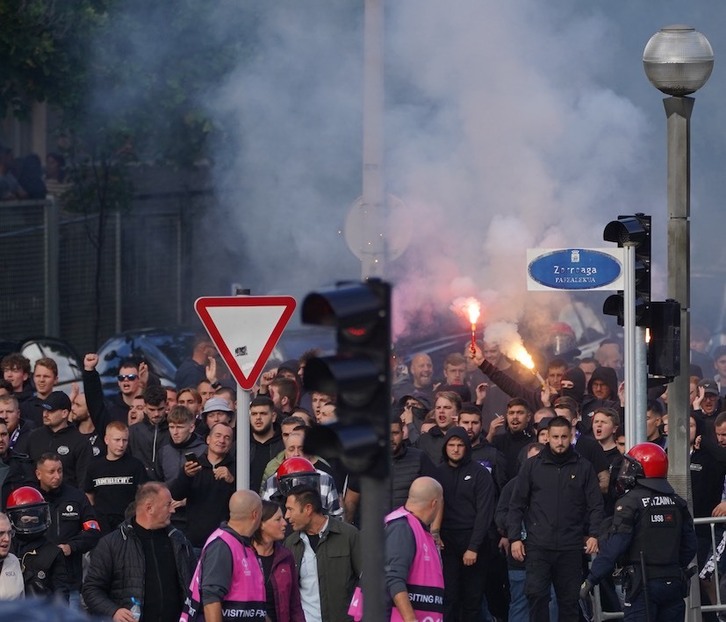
(132, 380)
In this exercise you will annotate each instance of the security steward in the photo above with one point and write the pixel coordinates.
(652, 537)
(228, 582)
(414, 575)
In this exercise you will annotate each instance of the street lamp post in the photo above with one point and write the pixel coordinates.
(678, 61)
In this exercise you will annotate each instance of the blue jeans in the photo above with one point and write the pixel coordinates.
(518, 604)
(665, 602)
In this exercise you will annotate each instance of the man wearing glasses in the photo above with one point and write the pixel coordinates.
(132, 380)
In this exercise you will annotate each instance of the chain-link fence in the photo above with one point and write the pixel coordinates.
(85, 277)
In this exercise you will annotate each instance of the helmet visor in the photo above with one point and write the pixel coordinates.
(630, 470)
(287, 482)
(29, 520)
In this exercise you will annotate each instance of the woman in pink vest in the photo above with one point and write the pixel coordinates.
(414, 575)
(278, 564)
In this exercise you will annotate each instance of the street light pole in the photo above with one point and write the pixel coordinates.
(678, 61)
(372, 251)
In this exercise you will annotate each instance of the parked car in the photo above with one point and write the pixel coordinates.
(165, 349)
(162, 349)
(62, 352)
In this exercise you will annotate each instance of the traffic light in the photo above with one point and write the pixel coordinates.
(632, 230)
(358, 374)
(664, 347)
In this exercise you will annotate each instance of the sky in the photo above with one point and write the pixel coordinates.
(507, 126)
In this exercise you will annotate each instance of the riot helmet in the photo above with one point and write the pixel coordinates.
(644, 460)
(28, 511)
(297, 472)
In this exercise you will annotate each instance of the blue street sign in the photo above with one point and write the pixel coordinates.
(574, 269)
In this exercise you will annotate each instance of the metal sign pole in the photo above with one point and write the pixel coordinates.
(640, 406)
(373, 495)
(635, 358)
(629, 344)
(243, 439)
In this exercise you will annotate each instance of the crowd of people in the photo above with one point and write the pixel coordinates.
(502, 487)
(27, 178)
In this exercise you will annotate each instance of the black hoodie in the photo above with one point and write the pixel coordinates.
(469, 495)
(590, 404)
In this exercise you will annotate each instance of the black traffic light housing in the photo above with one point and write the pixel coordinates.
(632, 230)
(664, 347)
(358, 374)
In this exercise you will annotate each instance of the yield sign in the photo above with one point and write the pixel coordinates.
(245, 330)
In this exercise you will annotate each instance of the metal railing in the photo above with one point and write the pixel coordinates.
(712, 521)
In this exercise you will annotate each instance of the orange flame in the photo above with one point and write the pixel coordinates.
(519, 353)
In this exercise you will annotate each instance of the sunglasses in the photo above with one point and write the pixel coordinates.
(122, 377)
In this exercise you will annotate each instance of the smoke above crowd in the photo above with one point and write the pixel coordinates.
(507, 126)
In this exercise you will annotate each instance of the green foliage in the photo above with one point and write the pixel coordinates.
(43, 46)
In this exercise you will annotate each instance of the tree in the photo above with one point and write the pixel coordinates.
(44, 44)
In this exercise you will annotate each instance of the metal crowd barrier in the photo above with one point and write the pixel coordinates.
(712, 521)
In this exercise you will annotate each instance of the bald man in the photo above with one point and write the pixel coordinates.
(216, 587)
(414, 575)
(421, 379)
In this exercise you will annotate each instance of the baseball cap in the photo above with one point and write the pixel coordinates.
(57, 401)
(709, 387)
(216, 404)
(423, 400)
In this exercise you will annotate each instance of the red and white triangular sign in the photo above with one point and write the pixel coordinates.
(245, 330)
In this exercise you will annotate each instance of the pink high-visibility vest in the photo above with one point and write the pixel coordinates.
(246, 599)
(425, 581)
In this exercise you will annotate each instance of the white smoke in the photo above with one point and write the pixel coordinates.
(508, 126)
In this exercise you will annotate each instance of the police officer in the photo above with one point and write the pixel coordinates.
(42, 563)
(652, 537)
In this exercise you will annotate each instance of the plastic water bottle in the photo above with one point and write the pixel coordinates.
(135, 608)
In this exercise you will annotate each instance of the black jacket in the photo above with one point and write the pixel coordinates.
(101, 410)
(260, 455)
(492, 459)
(116, 572)
(408, 464)
(511, 444)
(145, 441)
(651, 526)
(469, 495)
(207, 499)
(559, 499)
(44, 569)
(431, 443)
(71, 446)
(500, 520)
(16, 470)
(72, 522)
